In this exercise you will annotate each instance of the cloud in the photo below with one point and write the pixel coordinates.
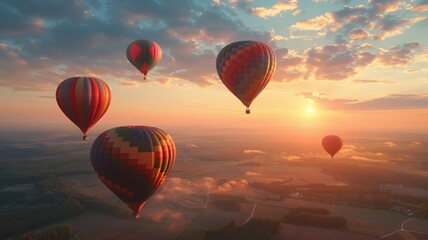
(253, 151)
(251, 163)
(69, 38)
(276, 9)
(337, 62)
(316, 23)
(394, 101)
(289, 65)
(358, 153)
(415, 144)
(48, 97)
(385, 5)
(359, 34)
(390, 25)
(129, 83)
(43, 43)
(398, 55)
(296, 12)
(216, 2)
(348, 149)
(390, 144)
(276, 37)
(365, 159)
(191, 145)
(374, 81)
(378, 20)
(292, 158)
(420, 7)
(252, 174)
(166, 216)
(175, 188)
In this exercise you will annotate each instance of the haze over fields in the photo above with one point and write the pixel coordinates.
(224, 164)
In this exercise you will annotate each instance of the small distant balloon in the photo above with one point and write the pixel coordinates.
(332, 144)
(144, 55)
(133, 161)
(245, 68)
(84, 100)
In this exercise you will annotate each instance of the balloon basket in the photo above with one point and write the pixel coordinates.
(247, 111)
(135, 214)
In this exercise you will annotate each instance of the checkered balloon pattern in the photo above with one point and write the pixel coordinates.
(133, 162)
(245, 68)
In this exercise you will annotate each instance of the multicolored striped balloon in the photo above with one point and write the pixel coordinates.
(144, 55)
(133, 162)
(245, 68)
(84, 100)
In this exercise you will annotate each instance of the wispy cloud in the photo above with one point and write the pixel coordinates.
(316, 23)
(395, 101)
(253, 151)
(276, 9)
(390, 144)
(399, 55)
(422, 6)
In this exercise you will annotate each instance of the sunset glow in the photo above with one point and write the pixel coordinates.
(214, 119)
(323, 56)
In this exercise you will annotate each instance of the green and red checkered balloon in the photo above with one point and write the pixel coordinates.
(245, 68)
(133, 161)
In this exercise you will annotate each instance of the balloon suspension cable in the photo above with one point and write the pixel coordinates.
(85, 137)
(136, 214)
(247, 111)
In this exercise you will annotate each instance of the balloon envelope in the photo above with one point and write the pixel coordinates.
(144, 55)
(245, 68)
(84, 100)
(133, 162)
(332, 144)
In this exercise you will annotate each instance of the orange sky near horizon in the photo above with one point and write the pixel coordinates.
(360, 65)
(179, 107)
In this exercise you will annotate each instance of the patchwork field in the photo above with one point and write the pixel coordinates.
(294, 232)
(369, 221)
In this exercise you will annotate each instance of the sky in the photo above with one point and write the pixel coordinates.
(342, 65)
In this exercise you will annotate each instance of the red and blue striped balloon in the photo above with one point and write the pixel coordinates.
(84, 100)
(245, 68)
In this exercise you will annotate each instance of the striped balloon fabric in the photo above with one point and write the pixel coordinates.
(144, 55)
(84, 100)
(245, 68)
(133, 162)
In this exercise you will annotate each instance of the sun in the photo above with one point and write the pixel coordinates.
(310, 110)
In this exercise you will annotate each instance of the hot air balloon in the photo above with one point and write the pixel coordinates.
(84, 100)
(332, 144)
(144, 55)
(133, 162)
(245, 68)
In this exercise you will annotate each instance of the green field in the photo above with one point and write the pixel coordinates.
(369, 221)
(287, 231)
(270, 212)
(417, 224)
